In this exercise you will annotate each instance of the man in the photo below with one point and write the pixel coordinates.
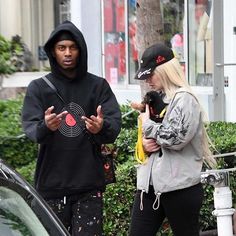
(69, 174)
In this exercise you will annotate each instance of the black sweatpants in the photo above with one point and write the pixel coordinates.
(80, 214)
(180, 207)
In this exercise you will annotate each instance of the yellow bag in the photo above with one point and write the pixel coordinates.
(140, 155)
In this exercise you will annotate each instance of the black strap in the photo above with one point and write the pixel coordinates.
(52, 86)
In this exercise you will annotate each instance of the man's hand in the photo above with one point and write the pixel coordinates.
(94, 123)
(52, 120)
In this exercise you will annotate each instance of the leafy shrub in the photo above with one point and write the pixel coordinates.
(17, 151)
(126, 140)
(118, 200)
(207, 220)
(125, 143)
(14, 56)
(22, 58)
(129, 117)
(20, 153)
(10, 110)
(28, 171)
(6, 67)
(223, 136)
(15, 148)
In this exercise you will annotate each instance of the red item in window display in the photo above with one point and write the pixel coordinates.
(110, 55)
(121, 56)
(132, 33)
(120, 15)
(108, 16)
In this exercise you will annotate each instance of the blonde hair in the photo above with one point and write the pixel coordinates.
(172, 77)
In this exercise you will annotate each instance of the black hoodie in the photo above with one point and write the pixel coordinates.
(67, 162)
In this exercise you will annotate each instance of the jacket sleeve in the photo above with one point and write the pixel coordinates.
(33, 115)
(111, 113)
(179, 125)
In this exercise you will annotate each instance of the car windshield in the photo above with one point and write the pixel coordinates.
(16, 217)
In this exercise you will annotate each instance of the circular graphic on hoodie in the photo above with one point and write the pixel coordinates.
(70, 120)
(69, 125)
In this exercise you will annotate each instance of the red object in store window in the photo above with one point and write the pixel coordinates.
(108, 16)
(120, 15)
(110, 54)
(132, 33)
(121, 57)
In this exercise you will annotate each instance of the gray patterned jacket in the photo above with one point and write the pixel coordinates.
(179, 135)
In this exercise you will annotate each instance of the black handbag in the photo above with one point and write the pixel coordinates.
(104, 152)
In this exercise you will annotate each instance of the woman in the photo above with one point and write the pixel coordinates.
(168, 186)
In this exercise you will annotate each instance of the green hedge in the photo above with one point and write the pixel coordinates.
(118, 200)
(21, 153)
(15, 148)
(8, 56)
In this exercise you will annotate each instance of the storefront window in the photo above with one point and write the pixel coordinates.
(172, 12)
(200, 42)
(173, 20)
(120, 67)
(133, 51)
(114, 41)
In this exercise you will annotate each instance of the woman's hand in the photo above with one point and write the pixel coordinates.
(150, 145)
(145, 115)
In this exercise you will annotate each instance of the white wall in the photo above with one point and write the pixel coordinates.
(10, 18)
(47, 22)
(86, 15)
(26, 22)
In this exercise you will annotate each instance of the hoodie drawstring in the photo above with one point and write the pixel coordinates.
(141, 200)
(157, 200)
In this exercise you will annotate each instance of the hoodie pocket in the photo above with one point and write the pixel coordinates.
(71, 169)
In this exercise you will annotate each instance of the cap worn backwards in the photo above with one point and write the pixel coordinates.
(152, 57)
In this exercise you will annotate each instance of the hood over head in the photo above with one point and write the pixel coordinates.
(67, 31)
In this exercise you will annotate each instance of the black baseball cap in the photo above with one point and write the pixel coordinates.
(152, 57)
